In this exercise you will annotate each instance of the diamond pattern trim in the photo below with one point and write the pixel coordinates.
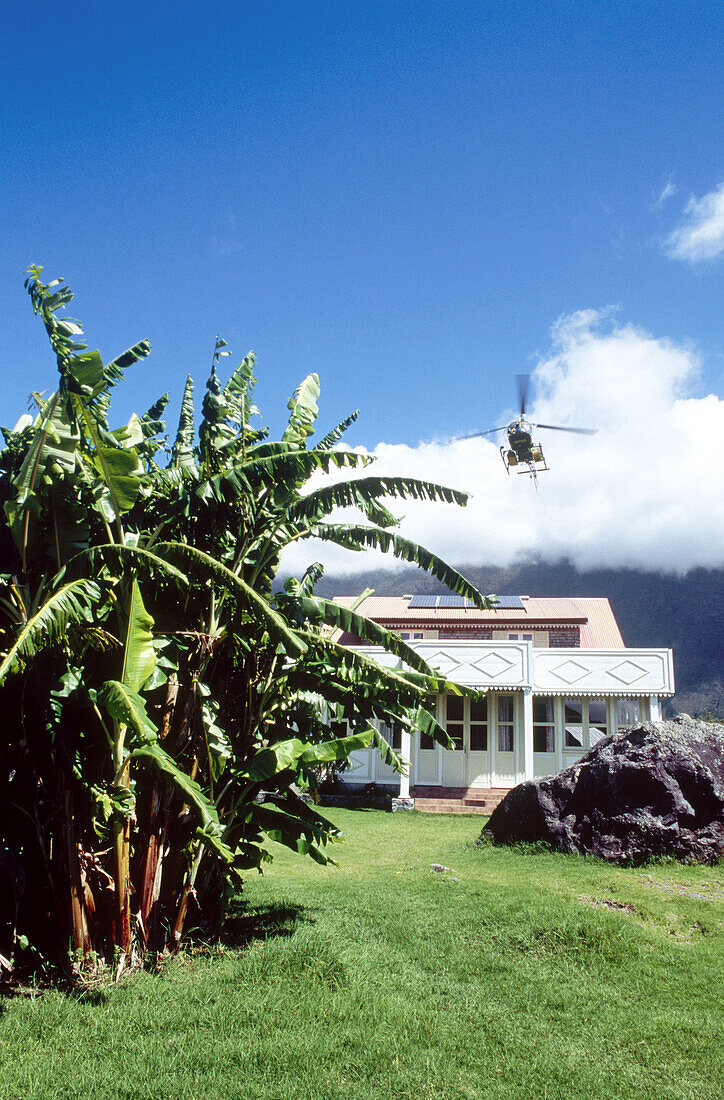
(628, 672)
(570, 672)
(493, 665)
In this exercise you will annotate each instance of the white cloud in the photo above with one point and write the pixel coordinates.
(645, 491)
(668, 191)
(701, 237)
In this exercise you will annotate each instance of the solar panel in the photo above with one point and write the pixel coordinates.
(451, 601)
(423, 601)
(509, 603)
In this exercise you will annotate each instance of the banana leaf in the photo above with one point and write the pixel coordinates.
(303, 411)
(139, 656)
(70, 604)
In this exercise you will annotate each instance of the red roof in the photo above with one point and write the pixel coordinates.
(593, 616)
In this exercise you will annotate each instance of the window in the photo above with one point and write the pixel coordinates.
(573, 722)
(479, 725)
(527, 637)
(583, 716)
(454, 716)
(392, 734)
(597, 727)
(512, 637)
(544, 731)
(627, 712)
(417, 635)
(506, 723)
(466, 723)
(427, 742)
(405, 634)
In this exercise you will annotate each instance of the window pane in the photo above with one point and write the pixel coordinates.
(574, 711)
(597, 712)
(392, 734)
(543, 709)
(628, 712)
(573, 737)
(505, 738)
(478, 738)
(479, 709)
(544, 739)
(456, 733)
(454, 708)
(426, 742)
(505, 708)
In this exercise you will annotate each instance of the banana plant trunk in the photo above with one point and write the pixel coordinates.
(122, 856)
(188, 890)
(154, 837)
(80, 933)
(155, 844)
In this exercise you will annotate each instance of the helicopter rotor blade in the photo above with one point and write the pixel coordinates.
(523, 381)
(558, 428)
(476, 435)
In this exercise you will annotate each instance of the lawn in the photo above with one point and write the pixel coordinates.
(516, 973)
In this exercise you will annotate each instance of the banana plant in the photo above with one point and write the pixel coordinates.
(166, 696)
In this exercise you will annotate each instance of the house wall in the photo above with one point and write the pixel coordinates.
(562, 637)
(557, 704)
(494, 762)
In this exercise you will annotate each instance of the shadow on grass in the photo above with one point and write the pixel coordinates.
(243, 926)
(260, 922)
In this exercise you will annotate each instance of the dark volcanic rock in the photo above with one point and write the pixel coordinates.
(656, 789)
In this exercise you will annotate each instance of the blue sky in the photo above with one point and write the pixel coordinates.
(402, 197)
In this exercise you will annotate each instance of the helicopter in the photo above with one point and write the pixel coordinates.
(521, 449)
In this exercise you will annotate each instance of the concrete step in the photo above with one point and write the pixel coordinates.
(449, 806)
(457, 800)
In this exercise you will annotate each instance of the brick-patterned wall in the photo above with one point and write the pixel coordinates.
(563, 637)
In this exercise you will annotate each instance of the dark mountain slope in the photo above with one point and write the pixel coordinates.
(652, 609)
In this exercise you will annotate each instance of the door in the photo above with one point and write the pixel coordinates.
(468, 763)
(385, 773)
(478, 770)
(453, 760)
(505, 754)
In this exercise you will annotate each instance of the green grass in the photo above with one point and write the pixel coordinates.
(519, 973)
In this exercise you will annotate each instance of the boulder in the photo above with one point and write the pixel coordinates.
(656, 789)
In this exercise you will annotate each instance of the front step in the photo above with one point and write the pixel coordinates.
(449, 806)
(457, 800)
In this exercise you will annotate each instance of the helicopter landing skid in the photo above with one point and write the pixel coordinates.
(533, 466)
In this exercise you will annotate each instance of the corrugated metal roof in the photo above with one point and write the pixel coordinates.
(593, 615)
(535, 608)
(601, 631)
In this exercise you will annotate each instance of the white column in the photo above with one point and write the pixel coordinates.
(528, 733)
(559, 728)
(655, 708)
(493, 737)
(406, 754)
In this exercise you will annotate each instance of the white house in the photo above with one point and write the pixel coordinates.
(556, 676)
